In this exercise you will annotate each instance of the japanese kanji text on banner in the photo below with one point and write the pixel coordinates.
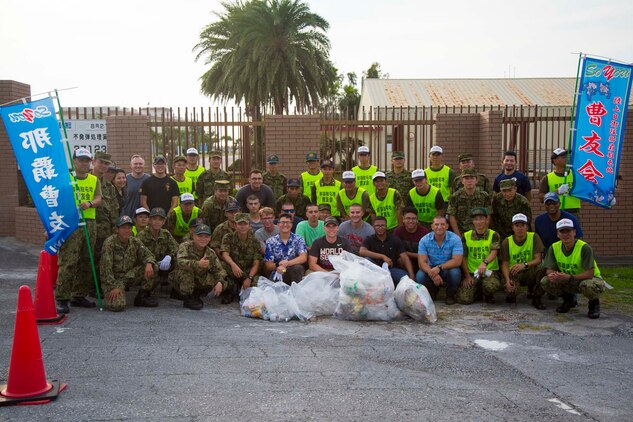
(36, 140)
(600, 117)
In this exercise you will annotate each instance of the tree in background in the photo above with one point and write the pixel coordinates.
(267, 53)
(375, 72)
(350, 97)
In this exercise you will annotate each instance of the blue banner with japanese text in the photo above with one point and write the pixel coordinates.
(36, 140)
(603, 100)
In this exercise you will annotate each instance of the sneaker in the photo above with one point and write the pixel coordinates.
(62, 306)
(192, 302)
(144, 298)
(82, 302)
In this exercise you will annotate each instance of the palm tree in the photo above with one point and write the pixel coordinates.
(267, 53)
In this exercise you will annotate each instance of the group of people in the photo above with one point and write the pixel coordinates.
(439, 227)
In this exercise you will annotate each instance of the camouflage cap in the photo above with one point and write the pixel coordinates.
(469, 173)
(123, 220)
(273, 159)
(324, 207)
(293, 183)
(103, 156)
(203, 229)
(222, 184)
(478, 211)
(215, 153)
(242, 218)
(159, 159)
(196, 222)
(327, 163)
(397, 154)
(507, 184)
(464, 157)
(231, 206)
(180, 158)
(158, 212)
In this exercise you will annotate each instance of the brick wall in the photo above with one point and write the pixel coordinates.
(9, 90)
(129, 135)
(292, 137)
(456, 134)
(29, 228)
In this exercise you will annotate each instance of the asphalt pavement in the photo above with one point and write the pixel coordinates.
(480, 362)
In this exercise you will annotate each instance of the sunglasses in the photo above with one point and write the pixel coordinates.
(288, 211)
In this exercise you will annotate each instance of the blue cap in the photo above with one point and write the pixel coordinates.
(551, 196)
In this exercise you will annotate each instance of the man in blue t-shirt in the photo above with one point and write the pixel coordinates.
(509, 172)
(545, 224)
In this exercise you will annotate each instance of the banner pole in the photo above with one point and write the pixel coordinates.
(81, 212)
(572, 127)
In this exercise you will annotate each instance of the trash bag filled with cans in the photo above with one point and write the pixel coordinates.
(414, 300)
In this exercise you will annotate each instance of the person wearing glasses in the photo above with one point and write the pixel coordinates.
(289, 208)
(269, 229)
(286, 253)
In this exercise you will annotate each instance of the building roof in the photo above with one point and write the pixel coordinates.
(544, 92)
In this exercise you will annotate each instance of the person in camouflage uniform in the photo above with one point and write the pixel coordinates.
(213, 208)
(505, 205)
(74, 278)
(295, 197)
(230, 210)
(198, 270)
(398, 177)
(273, 179)
(466, 162)
(159, 242)
(464, 200)
(108, 212)
(126, 262)
(205, 186)
(241, 256)
(192, 228)
(481, 247)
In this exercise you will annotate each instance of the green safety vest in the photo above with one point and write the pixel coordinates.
(425, 204)
(364, 178)
(86, 192)
(134, 231)
(357, 199)
(327, 195)
(478, 250)
(554, 181)
(439, 179)
(185, 186)
(572, 264)
(194, 175)
(182, 226)
(523, 253)
(309, 180)
(386, 208)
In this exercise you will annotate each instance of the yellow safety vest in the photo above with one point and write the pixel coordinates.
(478, 250)
(425, 204)
(327, 195)
(554, 181)
(523, 253)
(572, 264)
(186, 186)
(439, 179)
(309, 180)
(357, 199)
(182, 226)
(364, 178)
(194, 175)
(386, 208)
(86, 192)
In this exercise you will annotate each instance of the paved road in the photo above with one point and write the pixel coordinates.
(493, 363)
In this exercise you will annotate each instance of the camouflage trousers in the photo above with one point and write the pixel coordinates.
(591, 288)
(74, 278)
(237, 281)
(531, 277)
(188, 283)
(134, 277)
(466, 295)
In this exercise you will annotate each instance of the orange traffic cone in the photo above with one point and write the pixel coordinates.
(45, 309)
(54, 268)
(27, 382)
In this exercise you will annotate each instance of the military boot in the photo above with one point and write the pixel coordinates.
(82, 302)
(193, 302)
(594, 309)
(538, 303)
(489, 299)
(568, 303)
(63, 306)
(227, 297)
(144, 298)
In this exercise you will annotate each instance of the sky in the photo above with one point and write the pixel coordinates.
(136, 53)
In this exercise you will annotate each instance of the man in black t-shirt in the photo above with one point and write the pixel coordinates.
(159, 190)
(325, 246)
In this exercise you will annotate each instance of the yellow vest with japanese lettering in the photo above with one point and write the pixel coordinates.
(182, 226)
(309, 180)
(554, 181)
(439, 179)
(425, 204)
(327, 195)
(572, 264)
(478, 250)
(194, 175)
(523, 253)
(386, 208)
(86, 192)
(186, 186)
(364, 178)
(347, 202)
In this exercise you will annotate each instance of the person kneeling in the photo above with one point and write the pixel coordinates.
(125, 262)
(199, 270)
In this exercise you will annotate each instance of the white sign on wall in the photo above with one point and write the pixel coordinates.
(90, 134)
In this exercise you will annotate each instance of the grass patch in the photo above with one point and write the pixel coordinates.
(620, 298)
(531, 327)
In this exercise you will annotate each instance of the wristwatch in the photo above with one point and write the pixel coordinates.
(440, 267)
(486, 262)
(525, 264)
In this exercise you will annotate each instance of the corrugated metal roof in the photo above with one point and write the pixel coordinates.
(544, 92)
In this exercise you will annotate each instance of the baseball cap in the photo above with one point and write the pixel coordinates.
(159, 159)
(123, 220)
(312, 156)
(564, 223)
(519, 218)
(191, 151)
(478, 211)
(82, 153)
(231, 206)
(378, 174)
(186, 197)
(551, 196)
(273, 159)
(558, 152)
(436, 150)
(330, 220)
(348, 176)
(203, 229)
(103, 156)
(179, 158)
(469, 172)
(397, 154)
(196, 222)
(293, 183)
(363, 150)
(507, 184)
(418, 174)
(242, 218)
(464, 157)
(327, 163)
(141, 210)
(325, 207)
(158, 212)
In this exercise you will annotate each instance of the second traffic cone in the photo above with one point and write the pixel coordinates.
(45, 309)
(27, 382)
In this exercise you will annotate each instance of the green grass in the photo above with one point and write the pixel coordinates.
(620, 298)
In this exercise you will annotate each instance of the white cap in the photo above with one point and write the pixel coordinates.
(416, 174)
(377, 175)
(186, 197)
(436, 149)
(349, 175)
(519, 218)
(82, 152)
(560, 151)
(363, 150)
(192, 151)
(141, 211)
(564, 223)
